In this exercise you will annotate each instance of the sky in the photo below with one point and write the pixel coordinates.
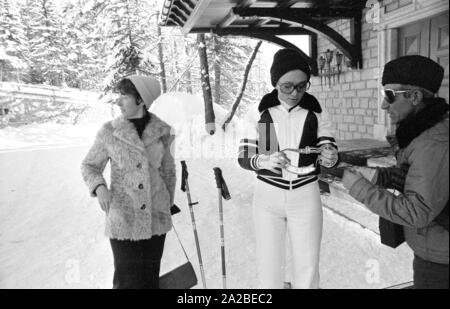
(300, 41)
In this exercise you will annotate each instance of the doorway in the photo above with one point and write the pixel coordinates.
(428, 38)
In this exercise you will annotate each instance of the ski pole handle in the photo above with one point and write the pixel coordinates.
(220, 182)
(184, 175)
(218, 175)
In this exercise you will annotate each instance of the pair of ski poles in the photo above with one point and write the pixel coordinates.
(223, 193)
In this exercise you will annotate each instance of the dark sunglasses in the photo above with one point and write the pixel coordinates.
(390, 95)
(288, 88)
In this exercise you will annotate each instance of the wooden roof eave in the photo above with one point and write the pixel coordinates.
(269, 35)
(296, 16)
(310, 21)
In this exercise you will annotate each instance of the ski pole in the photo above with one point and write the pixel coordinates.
(185, 188)
(223, 192)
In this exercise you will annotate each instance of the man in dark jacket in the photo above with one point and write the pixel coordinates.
(410, 84)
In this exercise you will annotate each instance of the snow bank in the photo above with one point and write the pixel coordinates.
(185, 113)
(53, 133)
(46, 135)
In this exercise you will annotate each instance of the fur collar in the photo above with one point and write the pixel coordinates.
(435, 111)
(308, 102)
(125, 130)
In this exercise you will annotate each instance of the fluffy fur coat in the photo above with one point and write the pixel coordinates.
(143, 177)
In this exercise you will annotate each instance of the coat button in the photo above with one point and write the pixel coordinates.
(143, 207)
(139, 165)
(141, 186)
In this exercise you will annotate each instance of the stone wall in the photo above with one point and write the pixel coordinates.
(353, 100)
(392, 5)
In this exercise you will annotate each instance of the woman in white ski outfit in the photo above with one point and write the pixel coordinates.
(285, 202)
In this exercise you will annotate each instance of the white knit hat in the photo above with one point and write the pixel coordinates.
(148, 88)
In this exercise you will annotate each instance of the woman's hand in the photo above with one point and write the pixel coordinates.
(329, 156)
(273, 161)
(104, 197)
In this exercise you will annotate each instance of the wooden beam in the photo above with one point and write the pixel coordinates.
(228, 20)
(180, 14)
(245, 31)
(173, 17)
(313, 51)
(186, 7)
(317, 12)
(189, 3)
(262, 35)
(298, 16)
(165, 12)
(246, 3)
(260, 23)
(282, 4)
(356, 40)
(289, 3)
(198, 11)
(231, 17)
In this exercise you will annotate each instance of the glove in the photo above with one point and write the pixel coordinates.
(393, 177)
(328, 157)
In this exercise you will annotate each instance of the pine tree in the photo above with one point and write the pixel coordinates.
(46, 52)
(83, 46)
(128, 28)
(229, 55)
(188, 64)
(13, 42)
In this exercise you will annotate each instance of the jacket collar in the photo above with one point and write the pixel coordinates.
(414, 125)
(126, 132)
(308, 102)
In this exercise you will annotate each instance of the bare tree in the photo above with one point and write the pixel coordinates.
(217, 72)
(206, 85)
(162, 71)
(244, 84)
(188, 73)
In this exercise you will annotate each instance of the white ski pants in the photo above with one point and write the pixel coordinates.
(298, 213)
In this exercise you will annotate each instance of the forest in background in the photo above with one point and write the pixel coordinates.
(91, 44)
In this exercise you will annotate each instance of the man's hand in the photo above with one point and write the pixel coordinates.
(104, 197)
(367, 172)
(273, 161)
(329, 156)
(350, 177)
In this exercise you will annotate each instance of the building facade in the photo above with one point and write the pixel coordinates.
(390, 28)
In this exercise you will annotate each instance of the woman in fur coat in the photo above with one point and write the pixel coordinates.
(137, 202)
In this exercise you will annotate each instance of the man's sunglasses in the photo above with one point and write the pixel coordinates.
(390, 95)
(288, 88)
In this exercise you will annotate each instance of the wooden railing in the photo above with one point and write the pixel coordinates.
(23, 103)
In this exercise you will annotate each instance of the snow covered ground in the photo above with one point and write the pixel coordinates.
(51, 230)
